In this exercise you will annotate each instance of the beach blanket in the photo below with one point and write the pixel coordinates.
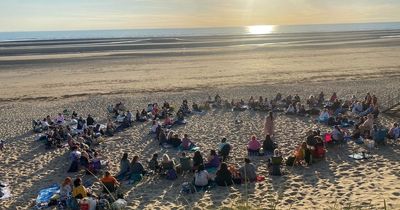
(5, 191)
(212, 170)
(360, 156)
(45, 195)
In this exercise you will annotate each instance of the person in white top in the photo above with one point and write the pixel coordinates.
(201, 177)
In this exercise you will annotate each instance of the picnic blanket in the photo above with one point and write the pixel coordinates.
(45, 195)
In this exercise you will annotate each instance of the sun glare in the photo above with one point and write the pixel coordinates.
(260, 29)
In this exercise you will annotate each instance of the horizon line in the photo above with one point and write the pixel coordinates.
(203, 27)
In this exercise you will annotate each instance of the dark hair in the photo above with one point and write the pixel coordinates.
(125, 156)
(107, 173)
(135, 159)
(155, 155)
(223, 140)
(267, 138)
(247, 160)
(223, 167)
(201, 168)
(197, 154)
(271, 115)
(77, 182)
(183, 154)
(212, 152)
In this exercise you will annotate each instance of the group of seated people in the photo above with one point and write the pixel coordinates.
(85, 157)
(74, 195)
(206, 171)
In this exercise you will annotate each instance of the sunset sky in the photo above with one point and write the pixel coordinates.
(28, 15)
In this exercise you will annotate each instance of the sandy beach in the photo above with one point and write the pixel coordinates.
(44, 82)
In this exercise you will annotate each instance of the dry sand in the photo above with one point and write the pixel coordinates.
(33, 90)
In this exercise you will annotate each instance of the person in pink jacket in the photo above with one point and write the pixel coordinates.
(269, 125)
(254, 145)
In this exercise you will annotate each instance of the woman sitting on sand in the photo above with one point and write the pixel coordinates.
(302, 154)
(66, 191)
(337, 134)
(275, 163)
(248, 172)
(357, 108)
(167, 164)
(168, 121)
(197, 160)
(223, 176)
(254, 146)
(268, 144)
(324, 116)
(124, 167)
(153, 163)
(196, 107)
(154, 127)
(187, 144)
(174, 140)
(368, 124)
(213, 160)
(269, 124)
(136, 168)
(394, 132)
(201, 177)
(333, 97)
(79, 191)
(60, 118)
(185, 162)
(110, 128)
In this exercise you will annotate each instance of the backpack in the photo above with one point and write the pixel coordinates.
(171, 174)
(187, 188)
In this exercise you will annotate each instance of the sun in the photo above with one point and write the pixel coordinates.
(260, 29)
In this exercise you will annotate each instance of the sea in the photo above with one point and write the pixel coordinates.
(190, 32)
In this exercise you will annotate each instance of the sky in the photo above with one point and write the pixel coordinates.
(45, 15)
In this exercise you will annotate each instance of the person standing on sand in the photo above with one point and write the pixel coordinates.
(269, 125)
(1, 145)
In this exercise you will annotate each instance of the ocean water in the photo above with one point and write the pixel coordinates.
(188, 32)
